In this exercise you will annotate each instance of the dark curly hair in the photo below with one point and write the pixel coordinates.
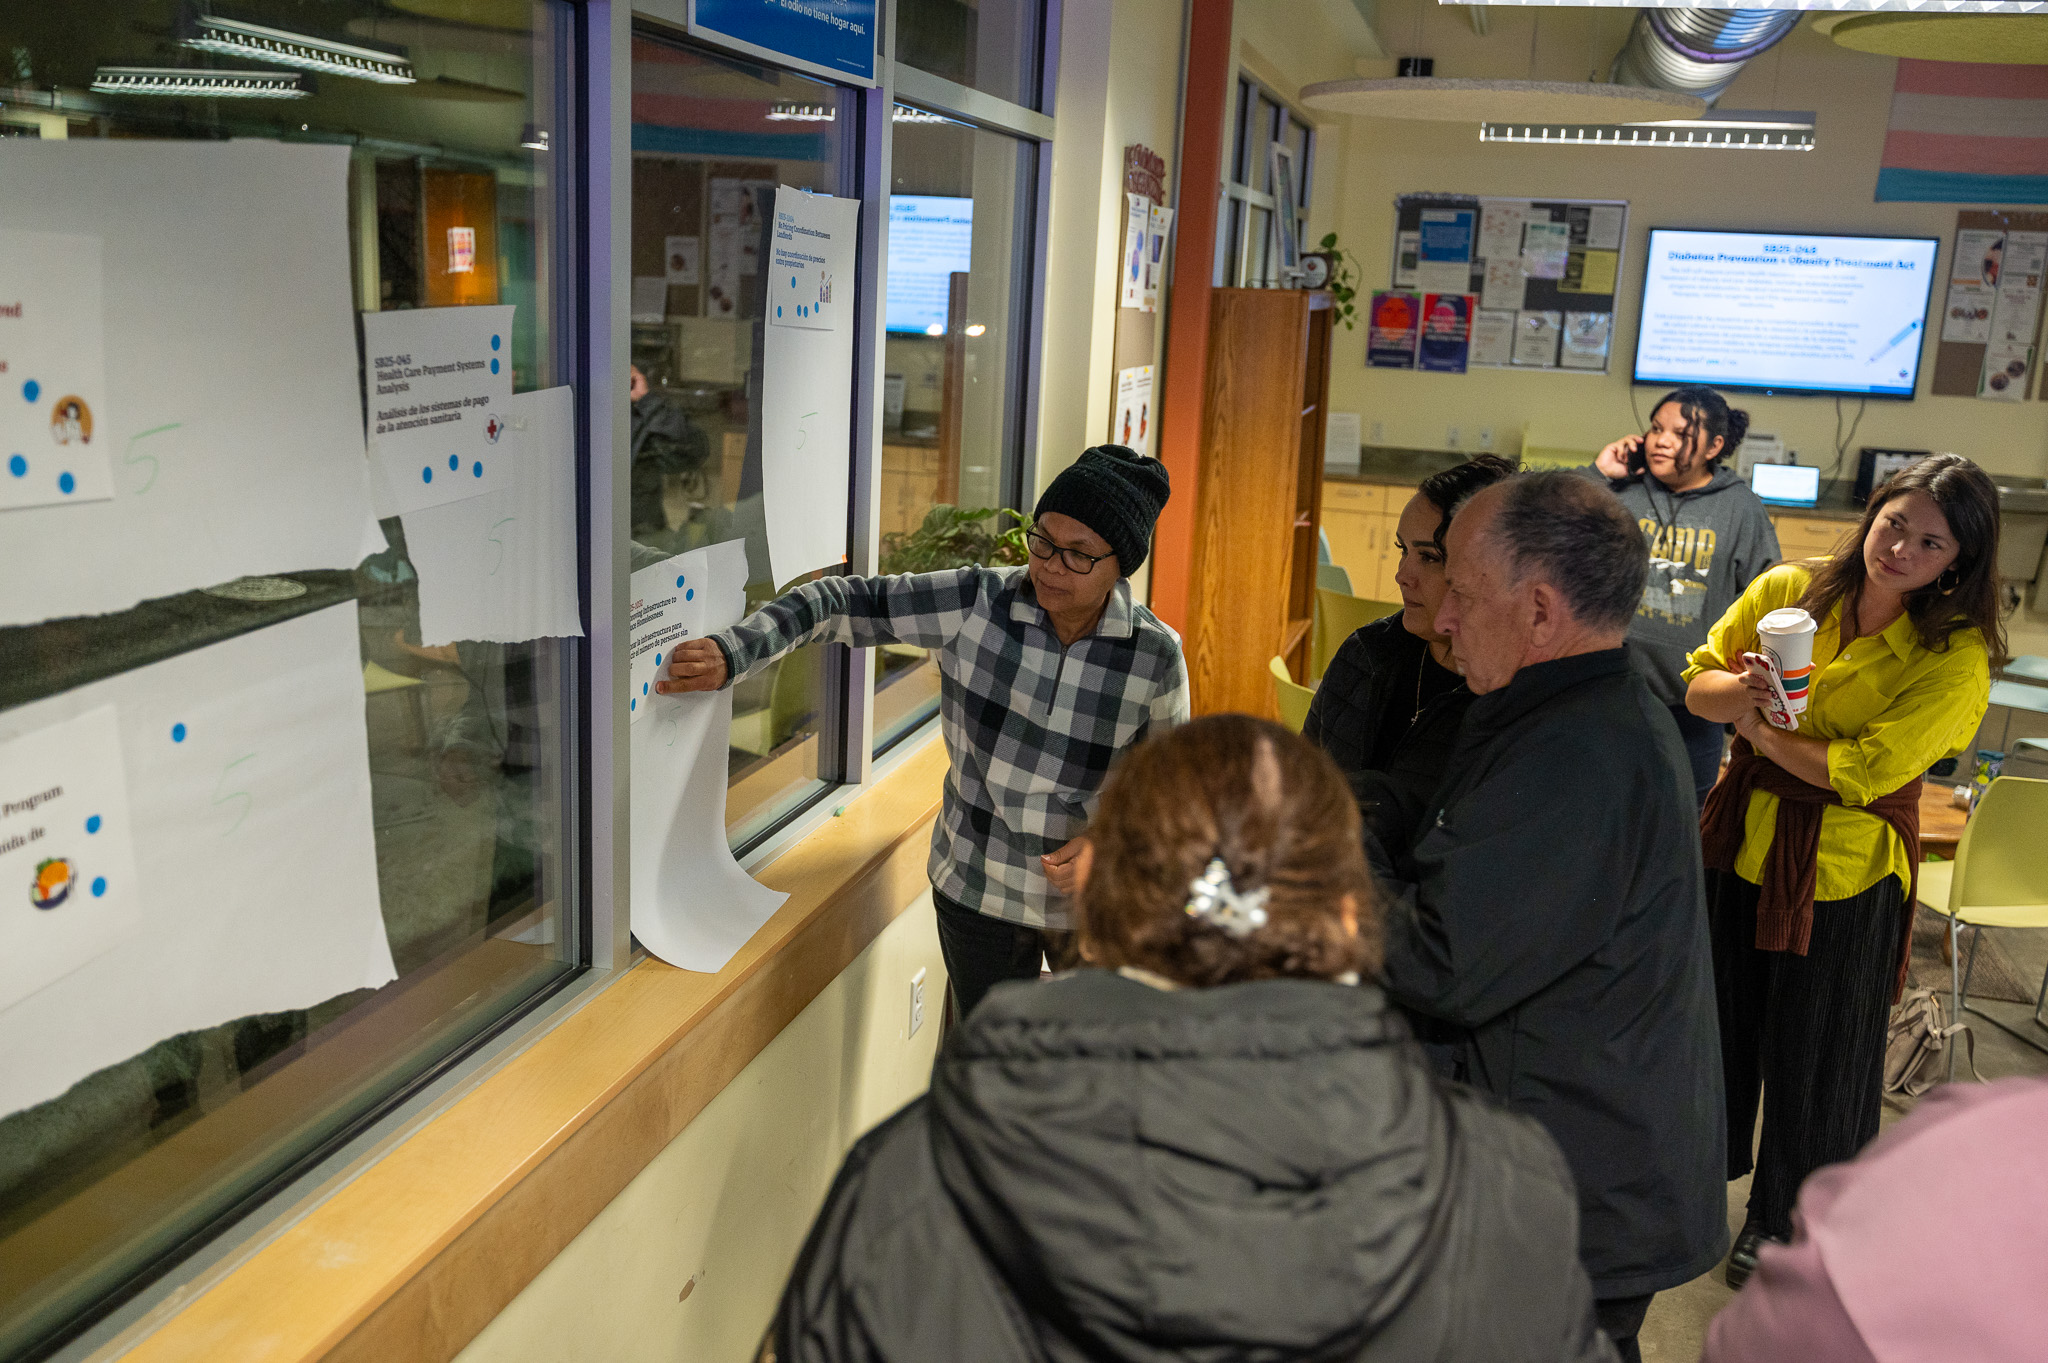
(1707, 417)
(1278, 812)
(1448, 490)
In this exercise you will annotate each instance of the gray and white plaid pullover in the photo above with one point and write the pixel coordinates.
(1031, 727)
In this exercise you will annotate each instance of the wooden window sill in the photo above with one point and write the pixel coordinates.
(414, 1256)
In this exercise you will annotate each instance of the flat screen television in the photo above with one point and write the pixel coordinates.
(930, 238)
(1785, 312)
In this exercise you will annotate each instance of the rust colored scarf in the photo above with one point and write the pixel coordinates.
(1784, 910)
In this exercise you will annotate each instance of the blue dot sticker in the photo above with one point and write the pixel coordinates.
(494, 343)
(66, 483)
(92, 825)
(99, 886)
(778, 309)
(454, 462)
(177, 733)
(657, 660)
(792, 281)
(31, 390)
(643, 688)
(17, 466)
(635, 705)
(494, 366)
(427, 474)
(679, 579)
(476, 470)
(690, 595)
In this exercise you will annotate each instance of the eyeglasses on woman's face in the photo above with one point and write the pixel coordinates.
(1076, 562)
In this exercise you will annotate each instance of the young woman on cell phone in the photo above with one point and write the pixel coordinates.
(1710, 537)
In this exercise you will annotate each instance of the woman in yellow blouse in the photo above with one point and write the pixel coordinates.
(1811, 837)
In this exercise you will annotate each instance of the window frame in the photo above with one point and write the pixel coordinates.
(593, 345)
(1244, 258)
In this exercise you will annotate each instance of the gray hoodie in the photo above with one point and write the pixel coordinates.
(1706, 546)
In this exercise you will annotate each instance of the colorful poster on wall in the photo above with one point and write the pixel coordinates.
(1446, 332)
(1391, 330)
(1444, 262)
(1131, 272)
(1133, 425)
(1972, 286)
(1546, 249)
(834, 38)
(1155, 255)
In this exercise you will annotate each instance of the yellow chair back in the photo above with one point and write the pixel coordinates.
(1999, 862)
(1294, 698)
(1337, 615)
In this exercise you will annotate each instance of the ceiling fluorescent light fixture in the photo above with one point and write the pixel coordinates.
(233, 38)
(802, 113)
(194, 83)
(903, 113)
(1727, 130)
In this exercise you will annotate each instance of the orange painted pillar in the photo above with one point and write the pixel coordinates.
(1205, 101)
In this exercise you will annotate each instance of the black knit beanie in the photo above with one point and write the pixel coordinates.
(1116, 492)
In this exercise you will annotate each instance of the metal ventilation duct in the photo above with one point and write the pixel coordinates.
(1697, 51)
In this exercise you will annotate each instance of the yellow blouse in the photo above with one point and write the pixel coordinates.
(1890, 709)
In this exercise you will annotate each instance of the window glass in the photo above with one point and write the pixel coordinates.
(960, 222)
(443, 792)
(712, 138)
(987, 45)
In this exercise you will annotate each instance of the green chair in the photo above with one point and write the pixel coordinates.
(1998, 880)
(1337, 616)
(1293, 697)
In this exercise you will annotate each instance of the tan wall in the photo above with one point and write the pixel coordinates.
(688, 1261)
(1828, 189)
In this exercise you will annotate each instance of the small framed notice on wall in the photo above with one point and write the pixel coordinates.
(1540, 276)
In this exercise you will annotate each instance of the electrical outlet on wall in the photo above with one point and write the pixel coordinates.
(1451, 438)
(1486, 437)
(916, 1003)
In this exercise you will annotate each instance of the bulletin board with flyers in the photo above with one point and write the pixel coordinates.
(1486, 283)
(1991, 307)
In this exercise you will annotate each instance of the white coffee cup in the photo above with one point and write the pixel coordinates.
(1786, 637)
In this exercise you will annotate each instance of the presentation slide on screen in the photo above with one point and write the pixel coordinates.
(929, 239)
(1787, 311)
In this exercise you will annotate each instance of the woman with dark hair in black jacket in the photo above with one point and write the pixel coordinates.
(1212, 1142)
(1389, 705)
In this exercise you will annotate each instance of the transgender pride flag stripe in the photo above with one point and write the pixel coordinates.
(1966, 132)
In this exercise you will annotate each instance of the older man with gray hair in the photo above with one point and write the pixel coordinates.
(1552, 913)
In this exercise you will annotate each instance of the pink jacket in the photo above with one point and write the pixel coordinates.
(1930, 1245)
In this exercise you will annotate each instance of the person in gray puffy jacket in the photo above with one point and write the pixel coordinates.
(1710, 537)
(1213, 1143)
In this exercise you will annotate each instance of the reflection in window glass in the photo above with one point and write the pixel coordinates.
(453, 184)
(712, 138)
(988, 45)
(960, 223)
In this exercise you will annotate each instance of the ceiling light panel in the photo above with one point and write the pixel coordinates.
(1762, 132)
(233, 38)
(199, 84)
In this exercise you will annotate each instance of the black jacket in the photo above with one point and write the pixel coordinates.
(1108, 1171)
(1363, 679)
(1559, 915)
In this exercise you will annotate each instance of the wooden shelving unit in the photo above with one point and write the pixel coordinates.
(1259, 494)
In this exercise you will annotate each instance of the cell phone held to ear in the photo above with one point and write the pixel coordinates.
(1637, 463)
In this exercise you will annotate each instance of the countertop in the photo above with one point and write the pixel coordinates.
(1407, 467)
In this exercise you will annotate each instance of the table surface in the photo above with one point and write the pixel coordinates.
(1941, 823)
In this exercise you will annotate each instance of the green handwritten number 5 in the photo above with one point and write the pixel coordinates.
(221, 798)
(492, 536)
(130, 458)
(803, 432)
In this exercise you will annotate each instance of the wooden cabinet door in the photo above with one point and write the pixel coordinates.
(1353, 537)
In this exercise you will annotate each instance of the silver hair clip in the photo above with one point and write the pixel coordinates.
(1215, 900)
